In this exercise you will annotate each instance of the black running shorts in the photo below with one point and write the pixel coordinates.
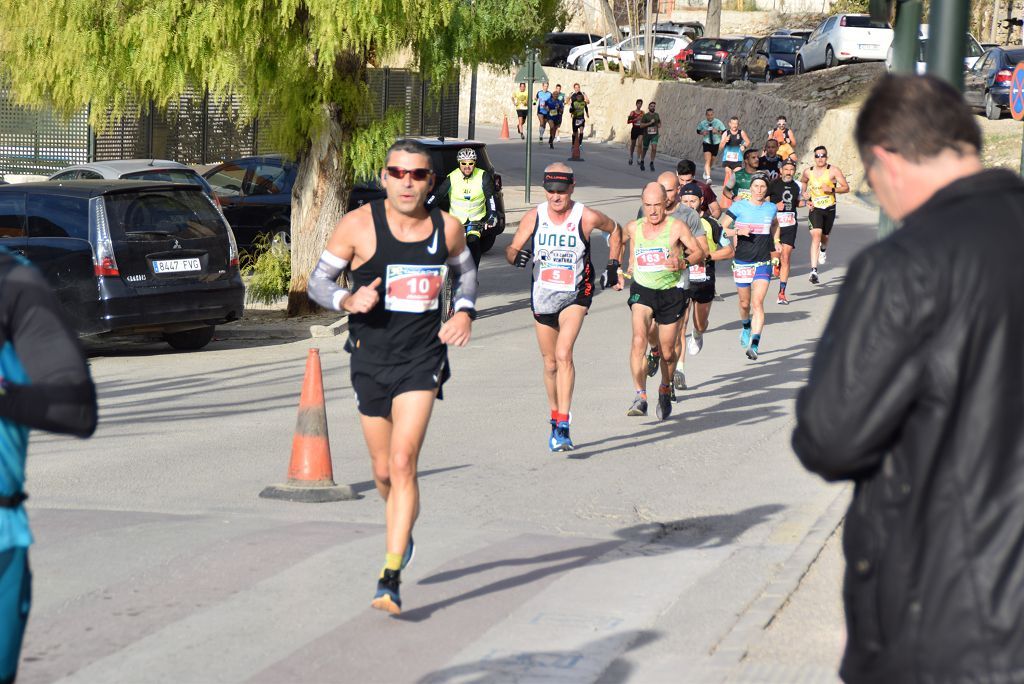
(787, 235)
(704, 292)
(668, 305)
(822, 219)
(377, 385)
(711, 149)
(551, 319)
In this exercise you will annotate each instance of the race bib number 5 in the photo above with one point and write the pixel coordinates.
(413, 289)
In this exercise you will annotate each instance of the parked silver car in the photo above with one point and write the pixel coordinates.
(136, 169)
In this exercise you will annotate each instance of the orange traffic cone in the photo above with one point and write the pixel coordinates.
(504, 127)
(576, 150)
(310, 475)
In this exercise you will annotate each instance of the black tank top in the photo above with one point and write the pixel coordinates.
(403, 326)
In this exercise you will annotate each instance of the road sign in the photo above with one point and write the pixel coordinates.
(1017, 93)
(538, 72)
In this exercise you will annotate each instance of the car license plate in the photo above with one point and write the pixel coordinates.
(706, 58)
(176, 265)
(868, 47)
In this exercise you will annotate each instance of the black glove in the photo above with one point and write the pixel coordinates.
(523, 258)
(610, 278)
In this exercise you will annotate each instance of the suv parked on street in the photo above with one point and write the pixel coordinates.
(256, 192)
(845, 38)
(129, 257)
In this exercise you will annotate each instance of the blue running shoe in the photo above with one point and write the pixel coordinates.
(752, 352)
(561, 441)
(410, 553)
(552, 440)
(745, 337)
(387, 598)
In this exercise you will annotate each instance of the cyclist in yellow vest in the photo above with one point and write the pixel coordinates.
(470, 193)
(821, 183)
(658, 243)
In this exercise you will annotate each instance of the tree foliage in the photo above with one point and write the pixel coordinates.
(289, 57)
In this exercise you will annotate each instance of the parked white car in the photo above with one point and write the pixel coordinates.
(972, 51)
(666, 47)
(845, 38)
(582, 57)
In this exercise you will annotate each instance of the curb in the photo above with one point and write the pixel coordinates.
(749, 629)
(282, 332)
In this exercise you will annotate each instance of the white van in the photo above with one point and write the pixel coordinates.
(972, 51)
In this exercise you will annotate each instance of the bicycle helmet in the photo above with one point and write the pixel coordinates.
(466, 154)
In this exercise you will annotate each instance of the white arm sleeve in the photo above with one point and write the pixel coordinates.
(464, 271)
(323, 286)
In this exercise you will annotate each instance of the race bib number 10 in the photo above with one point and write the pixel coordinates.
(413, 289)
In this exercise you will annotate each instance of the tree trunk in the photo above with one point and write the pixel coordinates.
(713, 23)
(319, 199)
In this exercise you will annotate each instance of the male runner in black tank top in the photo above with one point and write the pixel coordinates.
(397, 252)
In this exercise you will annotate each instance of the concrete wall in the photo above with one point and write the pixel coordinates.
(681, 106)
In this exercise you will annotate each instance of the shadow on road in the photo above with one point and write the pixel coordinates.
(535, 665)
(648, 539)
(369, 485)
(746, 397)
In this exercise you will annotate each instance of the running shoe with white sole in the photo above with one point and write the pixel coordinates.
(822, 257)
(653, 363)
(814, 277)
(387, 597)
(783, 299)
(561, 440)
(752, 352)
(745, 337)
(639, 407)
(664, 409)
(694, 343)
(679, 380)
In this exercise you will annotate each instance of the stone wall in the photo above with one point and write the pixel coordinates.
(681, 106)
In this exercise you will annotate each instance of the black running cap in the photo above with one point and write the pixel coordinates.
(691, 189)
(557, 181)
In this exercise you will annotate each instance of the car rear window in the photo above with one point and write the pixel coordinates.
(169, 175)
(712, 44)
(785, 44)
(853, 21)
(145, 215)
(54, 216)
(1015, 56)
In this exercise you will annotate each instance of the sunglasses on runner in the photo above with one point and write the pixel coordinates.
(417, 174)
(821, 156)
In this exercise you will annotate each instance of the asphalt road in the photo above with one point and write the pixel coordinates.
(655, 552)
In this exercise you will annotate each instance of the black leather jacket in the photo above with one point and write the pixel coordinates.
(916, 395)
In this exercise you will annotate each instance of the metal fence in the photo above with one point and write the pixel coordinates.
(197, 129)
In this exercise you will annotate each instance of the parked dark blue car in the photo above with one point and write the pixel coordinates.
(987, 84)
(771, 57)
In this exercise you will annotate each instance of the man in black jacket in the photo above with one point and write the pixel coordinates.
(915, 395)
(44, 384)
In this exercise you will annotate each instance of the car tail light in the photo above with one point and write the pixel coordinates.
(232, 246)
(103, 261)
(722, 54)
(497, 182)
(842, 22)
(1003, 76)
(684, 55)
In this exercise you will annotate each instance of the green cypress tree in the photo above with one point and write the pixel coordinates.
(304, 61)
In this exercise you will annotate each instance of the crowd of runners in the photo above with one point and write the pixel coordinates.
(397, 252)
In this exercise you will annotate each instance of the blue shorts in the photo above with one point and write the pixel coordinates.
(744, 273)
(15, 601)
